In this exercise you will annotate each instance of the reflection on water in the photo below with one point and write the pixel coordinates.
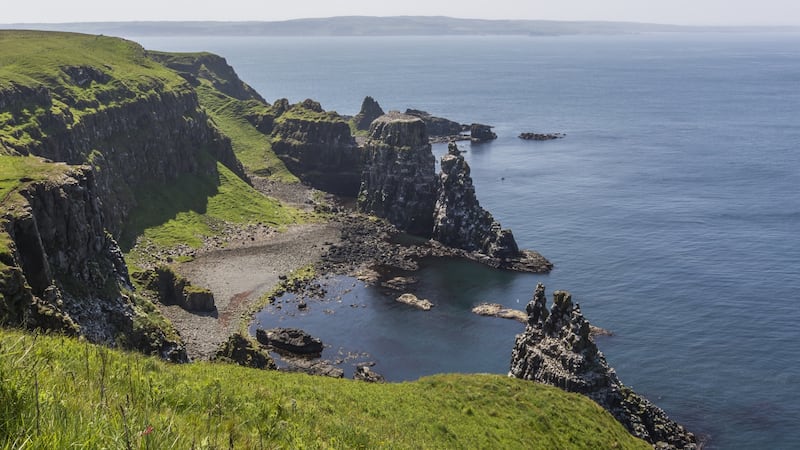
(359, 323)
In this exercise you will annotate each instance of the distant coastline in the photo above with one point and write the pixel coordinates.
(384, 26)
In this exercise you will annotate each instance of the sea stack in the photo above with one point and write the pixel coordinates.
(557, 349)
(459, 220)
(399, 181)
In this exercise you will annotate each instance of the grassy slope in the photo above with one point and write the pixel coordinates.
(253, 148)
(56, 392)
(34, 59)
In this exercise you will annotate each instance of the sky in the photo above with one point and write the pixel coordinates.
(678, 12)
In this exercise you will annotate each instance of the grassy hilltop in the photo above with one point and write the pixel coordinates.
(60, 392)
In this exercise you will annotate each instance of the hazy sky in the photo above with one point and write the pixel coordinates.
(681, 12)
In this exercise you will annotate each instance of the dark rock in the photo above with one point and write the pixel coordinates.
(243, 351)
(370, 110)
(319, 148)
(560, 351)
(364, 373)
(399, 180)
(459, 220)
(481, 133)
(437, 126)
(290, 339)
(311, 367)
(541, 136)
(173, 289)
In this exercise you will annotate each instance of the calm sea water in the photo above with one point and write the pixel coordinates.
(671, 210)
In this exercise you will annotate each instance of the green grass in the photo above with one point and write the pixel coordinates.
(57, 392)
(34, 59)
(253, 148)
(195, 206)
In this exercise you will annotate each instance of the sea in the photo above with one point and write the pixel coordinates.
(671, 208)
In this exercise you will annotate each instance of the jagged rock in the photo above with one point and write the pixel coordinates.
(364, 373)
(459, 220)
(243, 351)
(481, 133)
(370, 110)
(399, 180)
(558, 350)
(290, 339)
(497, 310)
(412, 300)
(319, 148)
(437, 126)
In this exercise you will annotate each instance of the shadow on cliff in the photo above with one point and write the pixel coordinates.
(157, 204)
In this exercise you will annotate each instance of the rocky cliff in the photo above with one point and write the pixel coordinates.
(557, 349)
(437, 126)
(399, 180)
(107, 105)
(318, 147)
(61, 269)
(459, 220)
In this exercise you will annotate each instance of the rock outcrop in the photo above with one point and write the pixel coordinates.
(399, 180)
(173, 289)
(318, 147)
(370, 110)
(541, 136)
(481, 133)
(242, 350)
(65, 272)
(438, 126)
(459, 220)
(292, 340)
(557, 349)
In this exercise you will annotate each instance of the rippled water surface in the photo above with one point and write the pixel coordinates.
(671, 210)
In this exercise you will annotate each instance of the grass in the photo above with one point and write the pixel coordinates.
(194, 207)
(56, 392)
(253, 148)
(83, 73)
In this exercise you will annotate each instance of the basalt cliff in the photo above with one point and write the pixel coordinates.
(557, 349)
(121, 122)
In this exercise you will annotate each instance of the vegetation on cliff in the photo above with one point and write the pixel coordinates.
(56, 392)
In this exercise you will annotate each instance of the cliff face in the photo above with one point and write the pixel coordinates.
(459, 220)
(557, 349)
(399, 181)
(318, 147)
(150, 139)
(63, 271)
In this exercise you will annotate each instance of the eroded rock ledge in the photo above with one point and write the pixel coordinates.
(557, 349)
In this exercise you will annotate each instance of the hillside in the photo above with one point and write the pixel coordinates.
(56, 393)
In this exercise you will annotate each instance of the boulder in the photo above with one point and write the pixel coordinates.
(243, 351)
(364, 373)
(560, 351)
(411, 299)
(292, 340)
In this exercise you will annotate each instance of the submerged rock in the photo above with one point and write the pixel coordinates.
(498, 310)
(558, 350)
(411, 299)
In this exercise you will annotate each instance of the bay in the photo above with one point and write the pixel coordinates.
(671, 209)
